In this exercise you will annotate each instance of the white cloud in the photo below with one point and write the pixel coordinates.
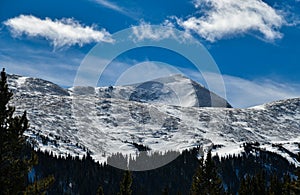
(147, 31)
(64, 32)
(223, 18)
(156, 32)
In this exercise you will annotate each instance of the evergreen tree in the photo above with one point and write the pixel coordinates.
(286, 186)
(15, 160)
(254, 185)
(275, 186)
(259, 183)
(165, 191)
(198, 183)
(246, 186)
(295, 186)
(40, 186)
(206, 179)
(125, 184)
(212, 181)
(100, 191)
(14, 163)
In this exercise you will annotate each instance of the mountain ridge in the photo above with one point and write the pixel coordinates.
(105, 125)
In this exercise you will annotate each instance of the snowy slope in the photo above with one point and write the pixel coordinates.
(110, 120)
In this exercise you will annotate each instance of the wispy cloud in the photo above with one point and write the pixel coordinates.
(243, 93)
(60, 33)
(146, 71)
(156, 32)
(217, 19)
(110, 5)
(60, 73)
(115, 7)
(147, 31)
(59, 67)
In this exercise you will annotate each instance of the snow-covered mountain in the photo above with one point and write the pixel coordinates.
(163, 114)
(175, 90)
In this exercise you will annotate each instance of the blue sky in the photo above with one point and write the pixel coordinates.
(256, 44)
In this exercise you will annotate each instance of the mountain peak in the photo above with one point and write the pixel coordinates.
(177, 90)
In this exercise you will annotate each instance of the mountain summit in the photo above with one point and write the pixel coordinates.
(174, 90)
